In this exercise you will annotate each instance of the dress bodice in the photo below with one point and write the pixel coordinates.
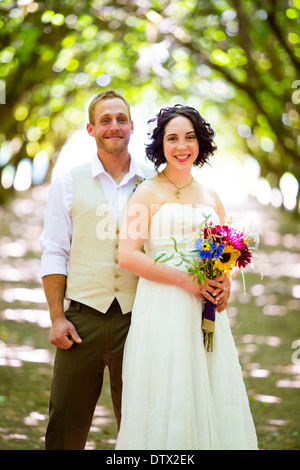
(180, 221)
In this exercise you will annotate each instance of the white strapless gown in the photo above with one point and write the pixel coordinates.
(176, 395)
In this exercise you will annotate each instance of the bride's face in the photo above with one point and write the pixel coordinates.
(180, 142)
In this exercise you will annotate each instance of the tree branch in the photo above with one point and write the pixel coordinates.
(271, 10)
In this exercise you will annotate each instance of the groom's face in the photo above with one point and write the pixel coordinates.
(112, 126)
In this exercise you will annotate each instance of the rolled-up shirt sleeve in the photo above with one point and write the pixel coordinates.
(55, 240)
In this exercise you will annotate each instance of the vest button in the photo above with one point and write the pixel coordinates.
(117, 275)
(116, 289)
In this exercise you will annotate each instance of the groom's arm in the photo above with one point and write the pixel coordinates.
(62, 333)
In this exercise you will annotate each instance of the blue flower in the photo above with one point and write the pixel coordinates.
(205, 254)
(199, 244)
(138, 182)
(219, 251)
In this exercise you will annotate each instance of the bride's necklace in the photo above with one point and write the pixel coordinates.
(177, 192)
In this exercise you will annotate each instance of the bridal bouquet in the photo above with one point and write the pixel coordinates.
(218, 249)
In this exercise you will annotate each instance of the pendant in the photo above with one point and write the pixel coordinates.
(177, 194)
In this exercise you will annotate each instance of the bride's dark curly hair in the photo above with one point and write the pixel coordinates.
(204, 133)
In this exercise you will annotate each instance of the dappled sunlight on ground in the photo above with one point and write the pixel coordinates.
(23, 294)
(15, 356)
(102, 419)
(39, 317)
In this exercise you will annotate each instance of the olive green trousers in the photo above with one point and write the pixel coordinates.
(78, 374)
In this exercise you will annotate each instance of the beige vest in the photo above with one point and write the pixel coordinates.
(94, 276)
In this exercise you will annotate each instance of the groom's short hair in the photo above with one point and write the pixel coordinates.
(106, 95)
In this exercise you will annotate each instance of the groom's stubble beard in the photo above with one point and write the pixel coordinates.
(113, 147)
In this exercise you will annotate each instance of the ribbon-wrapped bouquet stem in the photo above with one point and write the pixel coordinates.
(218, 249)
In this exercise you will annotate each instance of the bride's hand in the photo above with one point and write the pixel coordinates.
(217, 291)
(222, 293)
(207, 290)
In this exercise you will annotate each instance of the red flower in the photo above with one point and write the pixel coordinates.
(245, 257)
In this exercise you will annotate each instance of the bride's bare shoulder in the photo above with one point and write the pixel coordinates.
(209, 196)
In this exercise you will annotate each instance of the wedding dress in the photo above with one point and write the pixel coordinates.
(176, 395)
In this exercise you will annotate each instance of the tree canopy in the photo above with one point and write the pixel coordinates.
(242, 56)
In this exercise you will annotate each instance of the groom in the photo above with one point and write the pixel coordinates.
(80, 262)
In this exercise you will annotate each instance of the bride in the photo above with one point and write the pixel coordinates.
(176, 395)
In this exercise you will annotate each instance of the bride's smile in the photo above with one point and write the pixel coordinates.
(180, 142)
(182, 158)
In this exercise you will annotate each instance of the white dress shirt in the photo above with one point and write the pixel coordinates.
(56, 237)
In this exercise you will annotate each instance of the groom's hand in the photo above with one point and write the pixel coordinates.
(63, 334)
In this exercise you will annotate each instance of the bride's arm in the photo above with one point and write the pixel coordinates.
(134, 232)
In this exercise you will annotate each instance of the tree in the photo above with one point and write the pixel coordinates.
(242, 56)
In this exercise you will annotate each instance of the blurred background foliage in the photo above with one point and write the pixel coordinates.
(241, 57)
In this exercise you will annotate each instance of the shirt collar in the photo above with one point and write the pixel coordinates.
(134, 168)
(97, 167)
